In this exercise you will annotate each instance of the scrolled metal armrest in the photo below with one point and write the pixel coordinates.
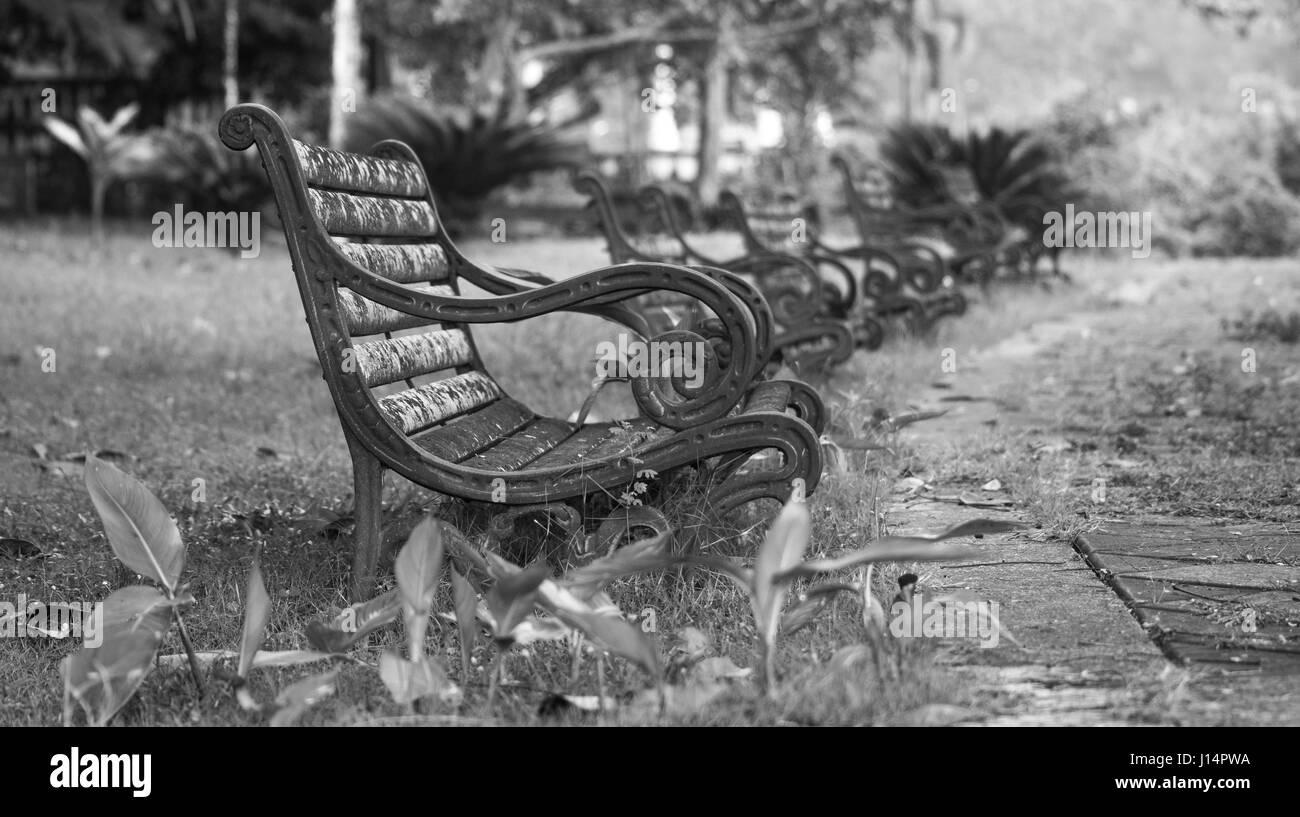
(713, 399)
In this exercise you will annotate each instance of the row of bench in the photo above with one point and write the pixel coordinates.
(381, 286)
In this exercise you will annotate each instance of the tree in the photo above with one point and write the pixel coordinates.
(716, 41)
(346, 65)
(230, 62)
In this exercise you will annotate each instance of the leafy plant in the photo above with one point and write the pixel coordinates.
(779, 564)
(1266, 323)
(418, 568)
(137, 618)
(466, 154)
(112, 155)
(1012, 169)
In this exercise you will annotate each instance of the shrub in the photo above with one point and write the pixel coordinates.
(1014, 169)
(1215, 185)
(1248, 213)
(467, 155)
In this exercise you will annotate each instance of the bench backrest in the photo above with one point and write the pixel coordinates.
(346, 213)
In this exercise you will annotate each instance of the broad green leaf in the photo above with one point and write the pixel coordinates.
(645, 556)
(409, 681)
(94, 127)
(741, 576)
(66, 134)
(354, 623)
(973, 527)
(264, 658)
(122, 118)
(813, 602)
(534, 628)
(294, 700)
(466, 602)
(257, 612)
(140, 531)
(919, 547)
(782, 549)
(419, 564)
(138, 606)
(289, 658)
(616, 634)
(919, 551)
(102, 679)
(513, 596)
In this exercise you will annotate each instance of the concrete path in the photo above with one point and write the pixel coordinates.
(1086, 655)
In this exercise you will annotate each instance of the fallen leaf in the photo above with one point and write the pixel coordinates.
(910, 486)
(63, 468)
(972, 501)
(1052, 446)
(1122, 463)
(713, 670)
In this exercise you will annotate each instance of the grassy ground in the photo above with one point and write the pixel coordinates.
(198, 368)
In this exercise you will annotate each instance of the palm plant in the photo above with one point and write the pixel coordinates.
(1013, 170)
(466, 154)
(112, 155)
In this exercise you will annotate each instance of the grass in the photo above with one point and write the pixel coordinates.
(198, 368)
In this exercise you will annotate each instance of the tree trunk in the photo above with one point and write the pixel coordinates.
(346, 63)
(713, 114)
(499, 86)
(907, 67)
(98, 189)
(230, 65)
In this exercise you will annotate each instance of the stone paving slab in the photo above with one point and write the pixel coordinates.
(1085, 658)
(1198, 596)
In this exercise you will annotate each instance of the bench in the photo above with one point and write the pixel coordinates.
(869, 284)
(803, 339)
(968, 236)
(381, 288)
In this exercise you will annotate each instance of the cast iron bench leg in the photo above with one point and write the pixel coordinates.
(368, 488)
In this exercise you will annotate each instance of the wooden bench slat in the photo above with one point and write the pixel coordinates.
(523, 446)
(348, 214)
(390, 360)
(353, 172)
(366, 317)
(403, 263)
(416, 409)
(472, 432)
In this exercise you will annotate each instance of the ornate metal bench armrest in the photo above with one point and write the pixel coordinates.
(667, 400)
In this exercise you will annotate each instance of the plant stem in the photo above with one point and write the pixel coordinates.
(189, 651)
(494, 677)
(769, 671)
(600, 684)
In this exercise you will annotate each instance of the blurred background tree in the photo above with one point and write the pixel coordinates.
(1142, 103)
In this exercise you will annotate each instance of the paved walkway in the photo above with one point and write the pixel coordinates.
(1153, 626)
